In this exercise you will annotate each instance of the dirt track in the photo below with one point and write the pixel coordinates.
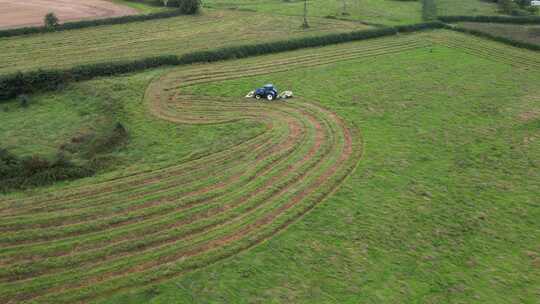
(15, 13)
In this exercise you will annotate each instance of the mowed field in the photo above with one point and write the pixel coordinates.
(16, 13)
(177, 35)
(526, 33)
(426, 173)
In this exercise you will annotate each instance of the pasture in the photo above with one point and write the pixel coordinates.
(411, 161)
(379, 12)
(466, 8)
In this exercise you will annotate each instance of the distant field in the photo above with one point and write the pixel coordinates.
(143, 6)
(177, 35)
(15, 13)
(525, 33)
(447, 178)
(466, 7)
(387, 12)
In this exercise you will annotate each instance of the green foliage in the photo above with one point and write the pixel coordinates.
(36, 170)
(51, 21)
(46, 80)
(27, 172)
(24, 100)
(189, 7)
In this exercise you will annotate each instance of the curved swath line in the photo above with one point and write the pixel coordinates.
(380, 47)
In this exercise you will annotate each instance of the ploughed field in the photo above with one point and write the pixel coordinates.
(14, 13)
(176, 36)
(423, 161)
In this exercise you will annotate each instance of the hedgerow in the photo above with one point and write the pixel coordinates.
(88, 23)
(44, 80)
(491, 19)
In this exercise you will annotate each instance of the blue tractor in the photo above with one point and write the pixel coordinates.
(268, 91)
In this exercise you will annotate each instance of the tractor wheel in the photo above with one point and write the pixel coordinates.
(258, 97)
(270, 97)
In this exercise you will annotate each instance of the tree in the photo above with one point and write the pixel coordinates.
(345, 10)
(305, 24)
(50, 20)
(189, 7)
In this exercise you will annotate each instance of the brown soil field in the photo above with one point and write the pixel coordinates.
(15, 13)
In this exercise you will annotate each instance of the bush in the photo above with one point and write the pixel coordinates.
(22, 173)
(50, 21)
(189, 7)
(30, 82)
(24, 100)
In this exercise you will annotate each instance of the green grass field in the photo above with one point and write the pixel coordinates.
(143, 6)
(466, 8)
(442, 207)
(130, 41)
(385, 12)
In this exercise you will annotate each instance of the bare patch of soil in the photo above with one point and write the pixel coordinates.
(15, 13)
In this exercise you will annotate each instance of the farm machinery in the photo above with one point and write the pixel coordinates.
(269, 92)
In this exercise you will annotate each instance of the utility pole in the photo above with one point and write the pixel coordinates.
(305, 25)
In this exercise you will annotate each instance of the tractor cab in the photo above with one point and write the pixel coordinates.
(268, 91)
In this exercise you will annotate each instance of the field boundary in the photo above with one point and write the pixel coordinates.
(491, 19)
(74, 25)
(12, 85)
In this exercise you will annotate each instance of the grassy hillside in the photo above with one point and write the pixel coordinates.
(387, 12)
(466, 7)
(447, 180)
(177, 35)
